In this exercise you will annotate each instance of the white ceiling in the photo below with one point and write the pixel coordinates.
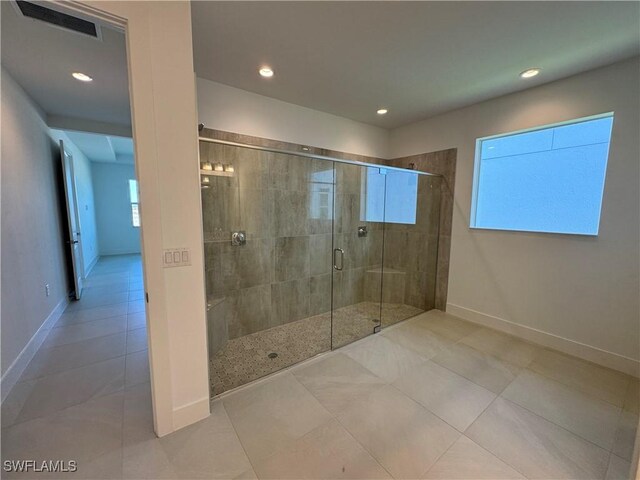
(416, 58)
(41, 58)
(103, 148)
(346, 58)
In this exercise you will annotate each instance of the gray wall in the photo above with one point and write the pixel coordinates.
(116, 233)
(33, 222)
(582, 289)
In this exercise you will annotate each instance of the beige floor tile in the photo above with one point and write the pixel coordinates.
(112, 286)
(121, 287)
(401, 435)
(98, 298)
(107, 280)
(136, 320)
(632, 399)
(48, 361)
(586, 416)
(486, 370)
(136, 295)
(95, 313)
(466, 460)
(61, 390)
(626, 435)
(270, 416)
(207, 449)
(385, 358)
(83, 331)
(136, 306)
(327, 452)
(619, 469)
(66, 317)
(451, 397)
(337, 380)
(248, 475)
(534, 446)
(138, 415)
(415, 337)
(503, 346)
(147, 460)
(137, 368)
(136, 340)
(107, 466)
(448, 326)
(83, 433)
(14, 402)
(601, 382)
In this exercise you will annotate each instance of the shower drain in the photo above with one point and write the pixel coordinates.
(272, 355)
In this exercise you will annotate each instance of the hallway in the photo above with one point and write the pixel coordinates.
(70, 401)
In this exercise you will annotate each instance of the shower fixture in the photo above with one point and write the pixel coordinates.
(238, 238)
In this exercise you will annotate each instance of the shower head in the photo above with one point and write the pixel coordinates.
(200, 126)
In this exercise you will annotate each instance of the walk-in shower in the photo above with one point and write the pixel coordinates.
(306, 253)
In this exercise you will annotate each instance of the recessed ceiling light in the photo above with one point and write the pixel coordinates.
(382, 111)
(82, 77)
(266, 72)
(530, 72)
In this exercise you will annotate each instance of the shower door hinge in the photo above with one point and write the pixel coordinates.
(377, 329)
(382, 171)
(146, 296)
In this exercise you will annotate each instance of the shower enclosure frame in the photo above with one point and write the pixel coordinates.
(335, 164)
(314, 156)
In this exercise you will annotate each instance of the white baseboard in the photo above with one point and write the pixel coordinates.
(586, 352)
(13, 373)
(114, 253)
(191, 413)
(91, 265)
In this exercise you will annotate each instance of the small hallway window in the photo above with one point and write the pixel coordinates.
(549, 179)
(133, 198)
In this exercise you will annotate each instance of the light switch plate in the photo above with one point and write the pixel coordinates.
(176, 257)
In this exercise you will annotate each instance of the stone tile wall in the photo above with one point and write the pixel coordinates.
(284, 203)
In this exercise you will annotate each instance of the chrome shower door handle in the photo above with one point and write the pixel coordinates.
(335, 259)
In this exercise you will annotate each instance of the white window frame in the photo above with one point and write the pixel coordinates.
(132, 203)
(478, 160)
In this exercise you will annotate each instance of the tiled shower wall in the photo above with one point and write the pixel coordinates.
(283, 273)
(442, 162)
(411, 252)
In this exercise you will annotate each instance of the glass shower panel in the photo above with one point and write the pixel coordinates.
(357, 252)
(269, 298)
(411, 227)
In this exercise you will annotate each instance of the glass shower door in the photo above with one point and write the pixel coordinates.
(357, 252)
(411, 227)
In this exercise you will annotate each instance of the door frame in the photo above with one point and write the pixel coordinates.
(160, 63)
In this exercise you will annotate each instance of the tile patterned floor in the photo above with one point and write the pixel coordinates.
(70, 401)
(246, 358)
(433, 397)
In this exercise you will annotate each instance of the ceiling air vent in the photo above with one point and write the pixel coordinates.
(58, 19)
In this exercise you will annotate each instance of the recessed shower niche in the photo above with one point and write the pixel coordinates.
(333, 251)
